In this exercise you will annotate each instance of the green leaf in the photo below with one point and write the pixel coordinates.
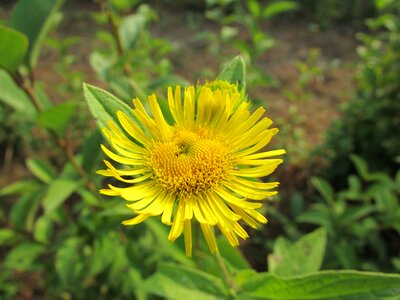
(130, 29)
(101, 64)
(59, 190)
(320, 216)
(361, 166)
(25, 209)
(303, 257)
(34, 18)
(232, 255)
(43, 229)
(7, 236)
(15, 97)
(23, 257)
(324, 188)
(254, 8)
(13, 46)
(67, 258)
(91, 150)
(57, 117)
(104, 106)
(277, 8)
(19, 187)
(42, 169)
(180, 282)
(235, 72)
(323, 285)
(103, 246)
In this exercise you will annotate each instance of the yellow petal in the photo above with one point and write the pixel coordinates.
(135, 220)
(210, 237)
(188, 237)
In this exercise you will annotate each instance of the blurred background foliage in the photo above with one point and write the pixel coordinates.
(328, 73)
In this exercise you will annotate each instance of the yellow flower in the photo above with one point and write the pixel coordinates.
(203, 166)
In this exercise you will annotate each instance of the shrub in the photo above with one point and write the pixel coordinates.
(370, 125)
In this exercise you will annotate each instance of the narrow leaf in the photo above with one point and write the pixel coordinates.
(303, 257)
(323, 285)
(57, 117)
(19, 187)
(15, 97)
(66, 259)
(7, 236)
(42, 169)
(130, 29)
(23, 257)
(59, 190)
(277, 8)
(104, 106)
(235, 72)
(180, 282)
(13, 46)
(91, 151)
(34, 18)
(24, 210)
(324, 188)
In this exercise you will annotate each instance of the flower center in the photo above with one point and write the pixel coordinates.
(192, 162)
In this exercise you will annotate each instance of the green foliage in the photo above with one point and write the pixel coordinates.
(179, 282)
(331, 12)
(13, 46)
(35, 25)
(355, 218)
(303, 257)
(57, 117)
(323, 285)
(104, 106)
(133, 62)
(230, 15)
(370, 125)
(235, 72)
(15, 97)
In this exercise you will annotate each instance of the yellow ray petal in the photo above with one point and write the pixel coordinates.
(148, 205)
(240, 202)
(135, 220)
(198, 214)
(138, 191)
(263, 154)
(119, 158)
(132, 129)
(163, 127)
(255, 184)
(188, 237)
(189, 107)
(108, 192)
(259, 171)
(168, 208)
(245, 217)
(156, 207)
(210, 237)
(240, 231)
(246, 192)
(261, 144)
(177, 224)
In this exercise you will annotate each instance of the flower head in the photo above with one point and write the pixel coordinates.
(203, 165)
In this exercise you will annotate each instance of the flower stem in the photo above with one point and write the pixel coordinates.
(227, 275)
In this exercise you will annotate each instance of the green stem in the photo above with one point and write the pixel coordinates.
(226, 274)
